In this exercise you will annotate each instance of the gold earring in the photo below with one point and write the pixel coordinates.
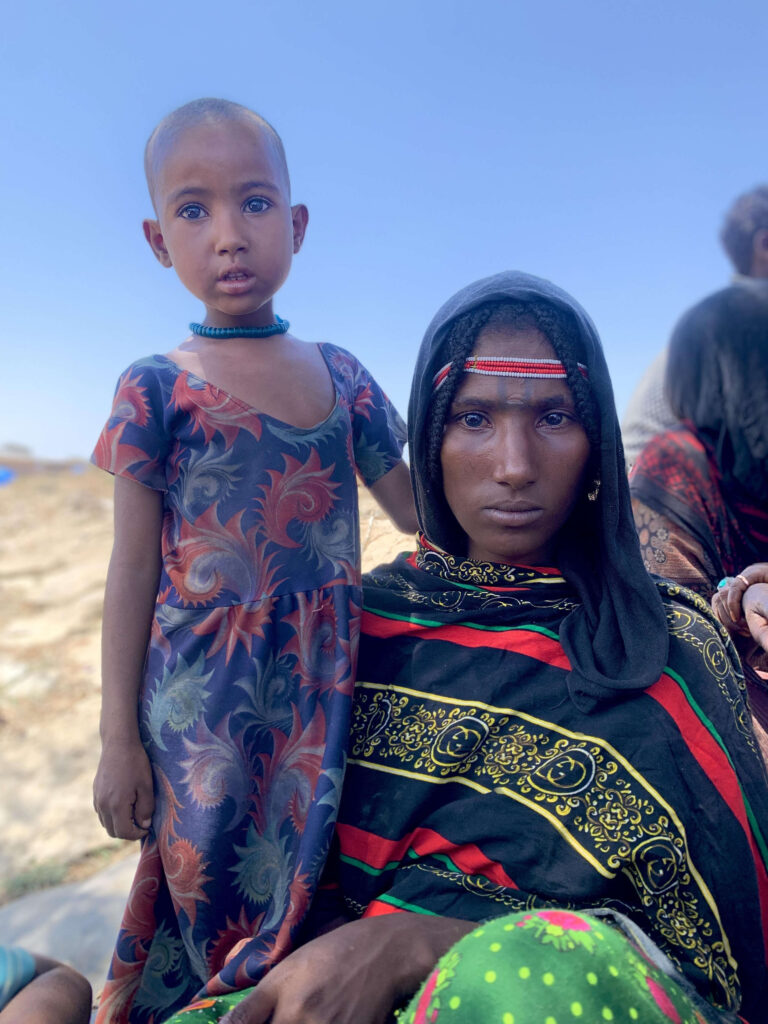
(592, 495)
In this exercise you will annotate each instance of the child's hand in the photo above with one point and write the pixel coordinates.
(122, 790)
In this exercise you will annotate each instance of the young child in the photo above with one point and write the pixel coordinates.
(38, 990)
(232, 601)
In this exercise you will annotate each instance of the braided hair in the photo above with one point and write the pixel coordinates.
(556, 326)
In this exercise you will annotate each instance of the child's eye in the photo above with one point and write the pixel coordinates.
(256, 204)
(192, 211)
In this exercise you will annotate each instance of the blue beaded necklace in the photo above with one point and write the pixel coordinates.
(280, 326)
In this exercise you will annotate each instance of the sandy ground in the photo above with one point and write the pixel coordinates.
(55, 538)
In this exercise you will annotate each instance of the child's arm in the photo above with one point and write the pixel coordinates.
(393, 493)
(122, 790)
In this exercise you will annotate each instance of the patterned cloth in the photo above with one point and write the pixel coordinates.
(244, 707)
(694, 530)
(554, 965)
(677, 478)
(207, 1009)
(17, 969)
(495, 793)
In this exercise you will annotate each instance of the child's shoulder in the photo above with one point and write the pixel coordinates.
(344, 363)
(156, 363)
(150, 368)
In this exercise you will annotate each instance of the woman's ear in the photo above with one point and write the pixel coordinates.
(154, 237)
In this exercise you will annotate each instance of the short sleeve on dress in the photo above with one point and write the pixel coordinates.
(378, 430)
(136, 438)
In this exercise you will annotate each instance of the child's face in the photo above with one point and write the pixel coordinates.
(225, 221)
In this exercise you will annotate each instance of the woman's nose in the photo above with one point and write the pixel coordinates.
(513, 457)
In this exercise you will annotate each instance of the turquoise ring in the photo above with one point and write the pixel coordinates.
(724, 582)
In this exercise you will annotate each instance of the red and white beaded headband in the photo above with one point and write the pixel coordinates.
(501, 366)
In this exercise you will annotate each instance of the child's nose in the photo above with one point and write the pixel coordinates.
(230, 237)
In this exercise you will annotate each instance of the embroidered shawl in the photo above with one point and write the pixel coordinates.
(476, 787)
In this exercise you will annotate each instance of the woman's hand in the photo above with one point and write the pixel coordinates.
(122, 790)
(729, 602)
(356, 974)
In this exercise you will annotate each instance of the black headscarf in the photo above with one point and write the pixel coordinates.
(617, 639)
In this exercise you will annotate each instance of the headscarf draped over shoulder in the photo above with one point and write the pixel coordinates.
(616, 640)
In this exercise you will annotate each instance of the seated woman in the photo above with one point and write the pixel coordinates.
(554, 807)
(700, 490)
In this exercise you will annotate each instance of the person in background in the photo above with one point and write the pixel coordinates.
(232, 605)
(700, 489)
(744, 237)
(37, 990)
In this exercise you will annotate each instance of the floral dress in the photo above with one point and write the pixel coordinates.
(245, 702)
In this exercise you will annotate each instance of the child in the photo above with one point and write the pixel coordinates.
(232, 601)
(37, 990)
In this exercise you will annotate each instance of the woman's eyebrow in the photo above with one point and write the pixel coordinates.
(467, 399)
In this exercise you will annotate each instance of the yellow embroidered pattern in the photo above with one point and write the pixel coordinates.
(597, 802)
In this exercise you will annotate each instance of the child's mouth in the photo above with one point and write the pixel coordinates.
(235, 282)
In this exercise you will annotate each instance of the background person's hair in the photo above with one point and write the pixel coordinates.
(717, 378)
(748, 214)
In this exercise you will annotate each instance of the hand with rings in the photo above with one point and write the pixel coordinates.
(741, 603)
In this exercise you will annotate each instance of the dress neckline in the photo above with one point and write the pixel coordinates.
(252, 410)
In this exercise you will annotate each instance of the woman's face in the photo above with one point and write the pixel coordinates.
(514, 455)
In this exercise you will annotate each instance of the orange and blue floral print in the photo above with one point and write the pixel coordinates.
(245, 703)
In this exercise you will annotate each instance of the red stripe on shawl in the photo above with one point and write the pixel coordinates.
(718, 769)
(377, 852)
(521, 641)
(377, 908)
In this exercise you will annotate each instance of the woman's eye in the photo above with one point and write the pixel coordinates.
(192, 211)
(554, 419)
(256, 204)
(472, 419)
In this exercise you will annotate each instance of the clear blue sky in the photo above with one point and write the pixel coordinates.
(595, 143)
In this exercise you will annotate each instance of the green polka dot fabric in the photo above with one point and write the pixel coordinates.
(208, 1009)
(548, 967)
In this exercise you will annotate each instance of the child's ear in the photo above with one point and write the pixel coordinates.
(299, 216)
(154, 237)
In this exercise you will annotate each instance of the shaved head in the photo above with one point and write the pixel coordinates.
(201, 112)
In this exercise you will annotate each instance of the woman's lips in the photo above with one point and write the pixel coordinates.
(512, 515)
